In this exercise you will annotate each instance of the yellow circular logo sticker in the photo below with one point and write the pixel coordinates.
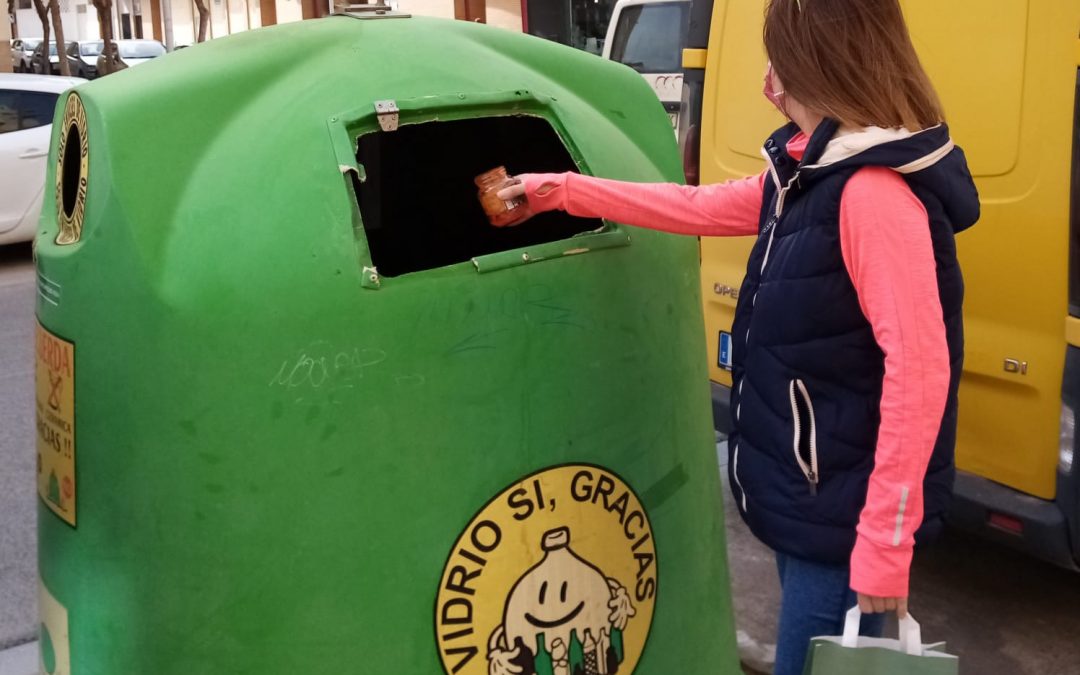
(73, 153)
(557, 575)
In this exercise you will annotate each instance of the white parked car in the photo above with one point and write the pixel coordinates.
(21, 51)
(128, 53)
(82, 58)
(46, 59)
(27, 103)
(649, 36)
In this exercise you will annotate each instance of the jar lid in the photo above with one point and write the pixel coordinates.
(556, 539)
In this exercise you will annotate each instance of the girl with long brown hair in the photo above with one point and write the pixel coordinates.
(848, 336)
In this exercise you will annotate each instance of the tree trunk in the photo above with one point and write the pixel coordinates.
(204, 18)
(58, 28)
(104, 9)
(43, 14)
(11, 19)
(104, 12)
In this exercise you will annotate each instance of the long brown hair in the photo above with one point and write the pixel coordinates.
(851, 60)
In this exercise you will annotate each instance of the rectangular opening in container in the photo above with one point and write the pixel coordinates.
(419, 203)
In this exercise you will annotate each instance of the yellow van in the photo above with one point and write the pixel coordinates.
(1007, 71)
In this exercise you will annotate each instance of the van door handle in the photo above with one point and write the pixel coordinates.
(33, 153)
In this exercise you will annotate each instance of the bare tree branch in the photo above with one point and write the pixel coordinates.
(58, 27)
(204, 18)
(43, 14)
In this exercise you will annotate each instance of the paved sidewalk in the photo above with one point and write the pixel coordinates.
(21, 660)
(756, 593)
(1001, 612)
(18, 492)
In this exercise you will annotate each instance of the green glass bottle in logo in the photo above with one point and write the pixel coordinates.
(617, 644)
(542, 663)
(577, 654)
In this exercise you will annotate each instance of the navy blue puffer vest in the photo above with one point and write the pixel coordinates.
(807, 370)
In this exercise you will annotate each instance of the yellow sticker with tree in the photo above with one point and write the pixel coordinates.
(55, 373)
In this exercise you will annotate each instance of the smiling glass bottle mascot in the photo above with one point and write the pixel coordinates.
(562, 617)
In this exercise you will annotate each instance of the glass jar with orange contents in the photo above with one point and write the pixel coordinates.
(500, 212)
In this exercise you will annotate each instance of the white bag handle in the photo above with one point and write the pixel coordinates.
(911, 636)
(851, 628)
(910, 632)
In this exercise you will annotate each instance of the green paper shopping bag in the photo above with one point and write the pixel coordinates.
(851, 654)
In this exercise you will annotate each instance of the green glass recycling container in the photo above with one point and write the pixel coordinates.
(301, 409)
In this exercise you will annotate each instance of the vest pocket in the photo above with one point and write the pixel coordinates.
(804, 444)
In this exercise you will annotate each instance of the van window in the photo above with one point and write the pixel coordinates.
(579, 23)
(649, 38)
(418, 203)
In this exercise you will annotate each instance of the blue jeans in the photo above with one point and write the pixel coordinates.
(814, 599)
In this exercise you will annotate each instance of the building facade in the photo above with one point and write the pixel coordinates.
(142, 18)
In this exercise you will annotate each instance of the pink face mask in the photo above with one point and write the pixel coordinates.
(775, 97)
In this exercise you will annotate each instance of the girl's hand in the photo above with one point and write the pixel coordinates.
(512, 191)
(871, 604)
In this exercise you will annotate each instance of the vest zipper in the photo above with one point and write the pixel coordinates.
(772, 224)
(809, 467)
(735, 472)
(780, 196)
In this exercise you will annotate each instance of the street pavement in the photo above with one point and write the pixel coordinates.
(18, 553)
(20, 660)
(1002, 612)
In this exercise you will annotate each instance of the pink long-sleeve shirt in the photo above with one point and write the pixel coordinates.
(886, 247)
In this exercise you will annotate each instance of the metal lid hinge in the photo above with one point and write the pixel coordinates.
(388, 115)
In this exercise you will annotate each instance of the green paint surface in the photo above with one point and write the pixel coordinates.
(235, 521)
